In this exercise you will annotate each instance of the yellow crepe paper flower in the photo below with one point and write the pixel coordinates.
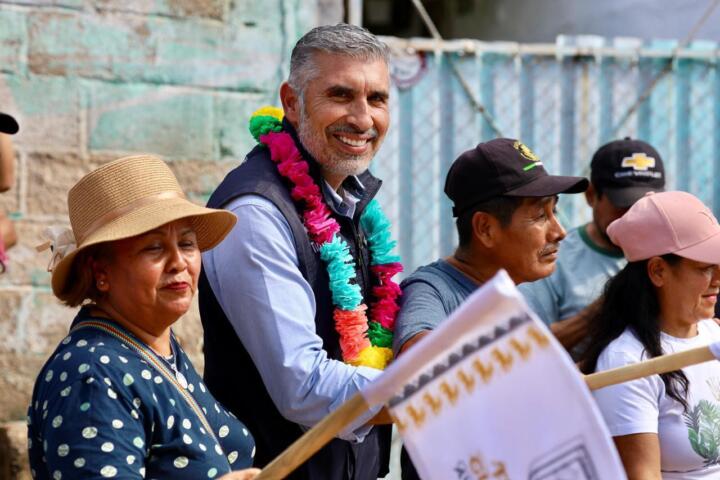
(269, 111)
(375, 357)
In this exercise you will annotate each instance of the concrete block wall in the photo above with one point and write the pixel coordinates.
(92, 80)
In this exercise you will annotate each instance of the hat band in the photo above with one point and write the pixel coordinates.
(119, 212)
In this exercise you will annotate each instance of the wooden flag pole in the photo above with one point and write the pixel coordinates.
(314, 439)
(657, 365)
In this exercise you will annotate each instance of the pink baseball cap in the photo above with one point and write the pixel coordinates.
(668, 222)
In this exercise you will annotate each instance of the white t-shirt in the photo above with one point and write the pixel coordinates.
(689, 441)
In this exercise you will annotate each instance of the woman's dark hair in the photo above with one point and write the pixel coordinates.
(80, 285)
(630, 300)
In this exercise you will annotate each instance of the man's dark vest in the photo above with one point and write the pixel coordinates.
(229, 371)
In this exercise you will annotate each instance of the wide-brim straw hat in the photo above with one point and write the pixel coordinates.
(128, 197)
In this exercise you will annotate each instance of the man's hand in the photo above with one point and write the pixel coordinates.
(412, 341)
(572, 330)
(382, 418)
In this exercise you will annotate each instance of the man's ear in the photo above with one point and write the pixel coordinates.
(657, 270)
(590, 196)
(486, 229)
(290, 102)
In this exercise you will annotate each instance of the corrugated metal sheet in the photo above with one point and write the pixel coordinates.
(563, 100)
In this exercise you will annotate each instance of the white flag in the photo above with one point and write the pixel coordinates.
(492, 395)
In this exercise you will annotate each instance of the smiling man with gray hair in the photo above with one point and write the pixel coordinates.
(273, 354)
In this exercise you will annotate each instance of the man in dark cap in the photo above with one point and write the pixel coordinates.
(8, 126)
(505, 202)
(621, 172)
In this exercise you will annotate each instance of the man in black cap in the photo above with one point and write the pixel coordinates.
(8, 126)
(504, 201)
(621, 172)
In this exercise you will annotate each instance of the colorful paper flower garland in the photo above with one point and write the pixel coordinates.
(362, 342)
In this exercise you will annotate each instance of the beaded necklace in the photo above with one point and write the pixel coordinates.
(362, 342)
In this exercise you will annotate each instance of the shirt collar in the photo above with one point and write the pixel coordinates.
(345, 201)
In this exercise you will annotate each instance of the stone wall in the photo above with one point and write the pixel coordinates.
(92, 80)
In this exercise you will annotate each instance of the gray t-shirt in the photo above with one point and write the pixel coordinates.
(430, 294)
(581, 271)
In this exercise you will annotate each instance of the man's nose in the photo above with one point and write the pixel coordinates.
(557, 232)
(359, 115)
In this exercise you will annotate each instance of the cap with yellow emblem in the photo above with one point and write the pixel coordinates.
(503, 167)
(626, 170)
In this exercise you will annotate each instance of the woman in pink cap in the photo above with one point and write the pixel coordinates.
(664, 426)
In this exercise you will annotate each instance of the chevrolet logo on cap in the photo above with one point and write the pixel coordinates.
(638, 161)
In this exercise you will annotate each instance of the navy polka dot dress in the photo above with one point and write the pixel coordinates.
(101, 410)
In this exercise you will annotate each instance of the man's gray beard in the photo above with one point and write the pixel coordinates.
(314, 143)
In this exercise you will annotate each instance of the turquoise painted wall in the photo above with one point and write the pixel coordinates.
(92, 80)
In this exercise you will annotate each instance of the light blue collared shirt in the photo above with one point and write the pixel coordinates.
(255, 276)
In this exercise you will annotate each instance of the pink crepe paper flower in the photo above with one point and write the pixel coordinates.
(385, 309)
(281, 145)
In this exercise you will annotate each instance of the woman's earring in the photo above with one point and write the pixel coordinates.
(100, 284)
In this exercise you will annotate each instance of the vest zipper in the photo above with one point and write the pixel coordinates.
(361, 261)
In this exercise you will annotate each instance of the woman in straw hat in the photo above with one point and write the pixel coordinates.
(664, 426)
(119, 397)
